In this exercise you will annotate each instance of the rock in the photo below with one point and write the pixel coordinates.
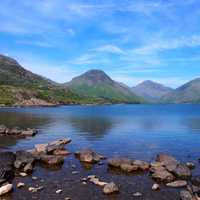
(168, 161)
(41, 148)
(195, 180)
(141, 165)
(176, 184)
(75, 172)
(29, 132)
(5, 189)
(20, 185)
(34, 178)
(58, 191)
(52, 146)
(110, 188)
(88, 156)
(182, 171)
(7, 160)
(96, 181)
(67, 198)
(23, 174)
(17, 132)
(116, 162)
(128, 167)
(163, 175)
(190, 165)
(155, 186)
(28, 168)
(35, 189)
(59, 152)
(24, 161)
(185, 195)
(137, 194)
(52, 160)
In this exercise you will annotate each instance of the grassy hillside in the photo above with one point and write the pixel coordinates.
(97, 84)
(188, 93)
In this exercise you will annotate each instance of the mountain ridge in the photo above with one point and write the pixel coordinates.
(151, 90)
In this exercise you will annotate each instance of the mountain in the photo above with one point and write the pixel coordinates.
(97, 84)
(19, 86)
(188, 93)
(150, 90)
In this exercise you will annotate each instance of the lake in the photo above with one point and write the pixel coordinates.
(134, 131)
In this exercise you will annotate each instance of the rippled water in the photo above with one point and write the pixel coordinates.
(137, 131)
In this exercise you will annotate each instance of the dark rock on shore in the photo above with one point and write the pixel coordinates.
(167, 169)
(127, 165)
(24, 161)
(88, 156)
(7, 160)
(17, 132)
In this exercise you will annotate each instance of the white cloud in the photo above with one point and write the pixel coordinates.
(109, 49)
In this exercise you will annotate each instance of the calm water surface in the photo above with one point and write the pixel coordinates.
(136, 131)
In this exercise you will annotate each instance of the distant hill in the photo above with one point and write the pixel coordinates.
(97, 84)
(19, 86)
(188, 93)
(150, 90)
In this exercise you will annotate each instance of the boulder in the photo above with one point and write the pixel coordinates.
(182, 171)
(168, 161)
(176, 184)
(5, 189)
(52, 160)
(128, 167)
(29, 132)
(142, 165)
(163, 175)
(52, 146)
(88, 156)
(24, 161)
(110, 188)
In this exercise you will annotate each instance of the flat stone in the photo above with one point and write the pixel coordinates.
(176, 184)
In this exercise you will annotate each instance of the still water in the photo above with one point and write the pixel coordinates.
(135, 131)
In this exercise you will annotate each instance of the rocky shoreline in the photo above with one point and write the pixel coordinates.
(164, 170)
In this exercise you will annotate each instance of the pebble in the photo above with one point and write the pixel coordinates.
(23, 174)
(20, 185)
(75, 172)
(34, 178)
(32, 189)
(155, 186)
(137, 194)
(58, 191)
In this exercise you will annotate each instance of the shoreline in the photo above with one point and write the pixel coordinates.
(163, 173)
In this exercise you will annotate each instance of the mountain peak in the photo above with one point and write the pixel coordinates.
(151, 90)
(95, 76)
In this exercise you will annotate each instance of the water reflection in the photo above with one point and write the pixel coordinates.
(23, 120)
(92, 128)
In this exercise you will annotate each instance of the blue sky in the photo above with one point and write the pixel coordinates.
(131, 40)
